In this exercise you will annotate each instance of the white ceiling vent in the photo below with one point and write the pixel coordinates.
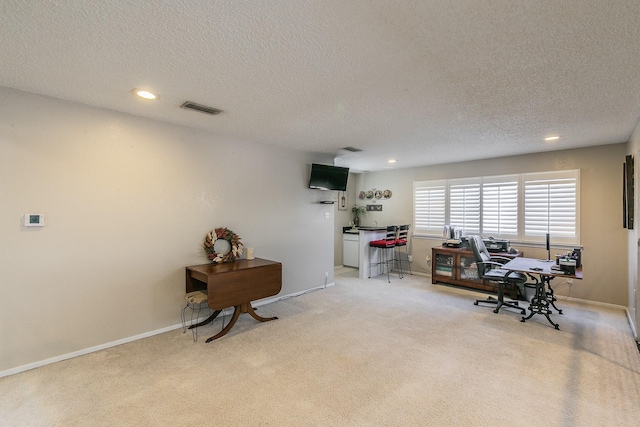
(352, 149)
(202, 108)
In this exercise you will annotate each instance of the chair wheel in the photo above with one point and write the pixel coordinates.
(475, 303)
(496, 310)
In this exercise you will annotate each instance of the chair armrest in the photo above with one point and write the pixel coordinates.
(489, 263)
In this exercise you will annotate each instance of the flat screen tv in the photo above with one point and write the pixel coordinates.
(325, 177)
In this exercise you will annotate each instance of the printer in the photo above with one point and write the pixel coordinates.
(496, 245)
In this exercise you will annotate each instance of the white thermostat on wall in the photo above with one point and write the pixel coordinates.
(33, 220)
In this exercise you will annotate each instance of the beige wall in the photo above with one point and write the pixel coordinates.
(602, 235)
(127, 204)
(632, 235)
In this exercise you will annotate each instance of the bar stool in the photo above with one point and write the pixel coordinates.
(402, 240)
(194, 303)
(386, 244)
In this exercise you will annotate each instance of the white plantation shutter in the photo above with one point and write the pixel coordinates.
(523, 207)
(551, 206)
(464, 205)
(429, 206)
(500, 207)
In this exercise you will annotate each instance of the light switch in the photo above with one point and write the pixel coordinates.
(327, 215)
(33, 220)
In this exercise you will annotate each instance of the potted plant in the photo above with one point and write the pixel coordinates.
(357, 211)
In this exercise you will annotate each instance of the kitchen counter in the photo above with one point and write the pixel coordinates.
(356, 230)
(366, 234)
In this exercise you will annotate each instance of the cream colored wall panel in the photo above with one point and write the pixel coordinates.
(128, 202)
(633, 290)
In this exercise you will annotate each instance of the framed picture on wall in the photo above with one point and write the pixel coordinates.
(627, 193)
(342, 200)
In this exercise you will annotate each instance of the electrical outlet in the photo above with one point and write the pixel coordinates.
(570, 281)
(410, 258)
(326, 274)
(428, 258)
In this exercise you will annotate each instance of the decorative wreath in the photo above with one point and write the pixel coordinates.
(225, 234)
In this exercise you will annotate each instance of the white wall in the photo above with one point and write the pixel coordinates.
(342, 218)
(605, 241)
(127, 203)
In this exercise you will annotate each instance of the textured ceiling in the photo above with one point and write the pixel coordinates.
(424, 82)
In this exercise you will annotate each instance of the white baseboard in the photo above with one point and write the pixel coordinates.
(633, 328)
(589, 302)
(605, 304)
(84, 351)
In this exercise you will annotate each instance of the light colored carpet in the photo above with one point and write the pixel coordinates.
(361, 353)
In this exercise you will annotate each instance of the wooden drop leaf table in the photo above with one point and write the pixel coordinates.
(235, 284)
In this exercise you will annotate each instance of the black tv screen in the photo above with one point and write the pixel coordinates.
(325, 177)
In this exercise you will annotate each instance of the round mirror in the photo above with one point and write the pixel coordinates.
(222, 246)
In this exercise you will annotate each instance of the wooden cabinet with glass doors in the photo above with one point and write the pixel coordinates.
(457, 266)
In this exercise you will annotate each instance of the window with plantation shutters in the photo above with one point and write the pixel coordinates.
(523, 207)
(551, 206)
(464, 205)
(429, 207)
(500, 207)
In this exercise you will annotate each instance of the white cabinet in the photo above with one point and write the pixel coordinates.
(350, 250)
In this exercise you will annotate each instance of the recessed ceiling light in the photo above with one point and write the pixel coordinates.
(392, 161)
(145, 94)
(551, 138)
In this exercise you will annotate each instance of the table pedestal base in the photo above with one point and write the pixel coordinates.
(552, 297)
(237, 311)
(540, 303)
(207, 320)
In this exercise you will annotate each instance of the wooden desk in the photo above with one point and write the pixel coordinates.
(235, 284)
(544, 298)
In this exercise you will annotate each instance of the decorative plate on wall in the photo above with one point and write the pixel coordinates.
(387, 194)
(361, 195)
(369, 194)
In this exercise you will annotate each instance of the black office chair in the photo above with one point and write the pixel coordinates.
(489, 269)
